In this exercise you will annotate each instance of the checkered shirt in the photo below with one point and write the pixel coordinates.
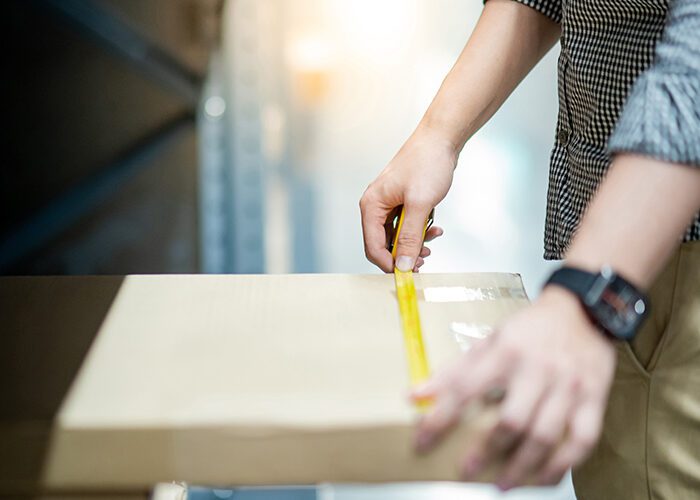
(629, 81)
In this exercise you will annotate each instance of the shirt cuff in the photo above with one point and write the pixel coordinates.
(661, 119)
(550, 8)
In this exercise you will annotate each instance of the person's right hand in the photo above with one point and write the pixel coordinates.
(418, 178)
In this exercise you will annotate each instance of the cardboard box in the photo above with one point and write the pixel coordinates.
(226, 380)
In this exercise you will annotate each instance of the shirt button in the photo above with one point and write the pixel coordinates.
(563, 137)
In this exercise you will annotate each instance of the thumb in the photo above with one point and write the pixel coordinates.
(410, 240)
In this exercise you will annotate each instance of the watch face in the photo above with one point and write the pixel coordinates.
(617, 306)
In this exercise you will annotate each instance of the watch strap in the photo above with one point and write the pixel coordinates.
(575, 280)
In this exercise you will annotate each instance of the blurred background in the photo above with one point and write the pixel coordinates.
(186, 136)
(237, 136)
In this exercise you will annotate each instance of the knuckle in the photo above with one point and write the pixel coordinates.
(417, 200)
(592, 388)
(574, 385)
(431, 423)
(408, 239)
(509, 352)
(543, 439)
(512, 425)
(584, 440)
(365, 200)
(557, 368)
(443, 418)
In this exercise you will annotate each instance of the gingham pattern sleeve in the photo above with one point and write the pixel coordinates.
(550, 8)
(661, 117)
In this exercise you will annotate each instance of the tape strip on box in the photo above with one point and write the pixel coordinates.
(466, 294)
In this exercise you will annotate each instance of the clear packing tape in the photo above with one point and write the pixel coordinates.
(467, 294)
(466, 334)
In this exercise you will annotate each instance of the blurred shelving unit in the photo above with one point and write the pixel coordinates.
(100, 164)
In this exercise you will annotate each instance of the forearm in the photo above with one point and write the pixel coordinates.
(508, 41)
(637, 218)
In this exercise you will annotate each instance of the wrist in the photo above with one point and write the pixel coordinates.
(441, 133)
(610, 302)
(558, 297)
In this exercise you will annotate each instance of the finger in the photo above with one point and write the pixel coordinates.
(545, 433)
(445, 405)
(425, 252)
(464, 384)
(373, 218)
(486, 371)
(433, 232)
(410, 239)
(435, 385)
(443, 416)
(444, 410)
(419, 262)
(523, 395)
(584, 430)
(443, 379)
(390, 225)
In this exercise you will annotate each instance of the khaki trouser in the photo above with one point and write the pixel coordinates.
(650, 445)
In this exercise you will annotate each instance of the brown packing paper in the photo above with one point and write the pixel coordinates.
(227, 380)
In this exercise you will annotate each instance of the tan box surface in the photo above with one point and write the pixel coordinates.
(226, 380)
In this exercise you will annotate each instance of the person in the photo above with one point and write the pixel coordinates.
(622, 211)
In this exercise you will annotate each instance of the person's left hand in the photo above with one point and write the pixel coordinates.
(556, 370)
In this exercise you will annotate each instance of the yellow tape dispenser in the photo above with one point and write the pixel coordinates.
(419, 369)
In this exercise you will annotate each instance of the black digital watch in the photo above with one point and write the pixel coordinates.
(614, 304)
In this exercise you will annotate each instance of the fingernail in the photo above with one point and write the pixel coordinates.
(404, 263)
(504, 485)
